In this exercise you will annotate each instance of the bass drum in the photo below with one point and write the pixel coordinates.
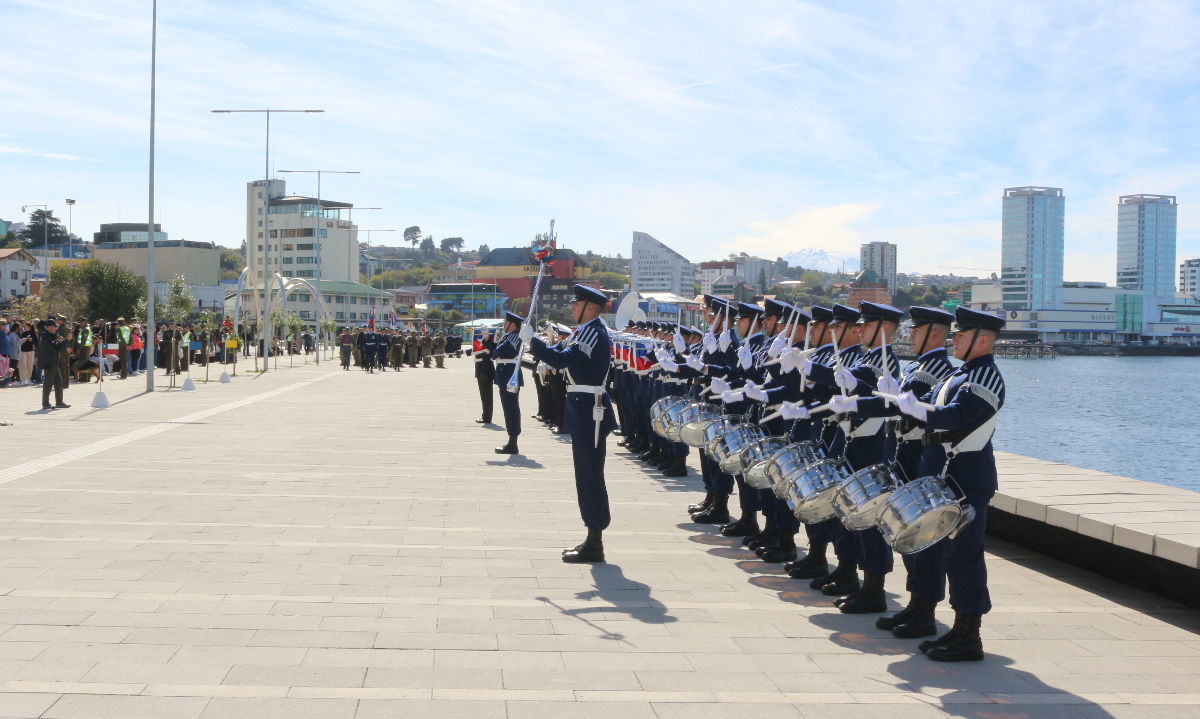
(811, 493)
(859, 496)
(658, 412)
(755, 459)
(726, 448)
(789, 462)
(922, 513)
(693, 420)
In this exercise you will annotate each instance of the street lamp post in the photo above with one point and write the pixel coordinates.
(70, 228)
(150, 327)
(266, 318)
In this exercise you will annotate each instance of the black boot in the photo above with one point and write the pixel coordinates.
(965, 646)
(677, 468)
(785, 551)
(745, 525)
(665, 459)
(703, 504)
(718, 513)
(592, 550)
(813, 566)
(887, 624)
(919, 623)
(648, 454)
(510, 448)
(948, 637)
(841, 581)
(767, 536)
(868, 600)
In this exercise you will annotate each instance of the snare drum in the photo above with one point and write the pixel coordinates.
(755, 459)
(811, 493)
(859, 496)
(786, 464)
(719, 426)
(921, 514)
(658, 412)
(694, 419)
(672, 420)
(726, 449)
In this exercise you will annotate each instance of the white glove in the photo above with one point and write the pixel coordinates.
(719, 385)
(888, 384)
(731, 397)
(668, 365)
(678, 343)
(709, 342)
(543, 368)
(777, 346)
(745, 357)
(725, 340)
(525, 333)
(695, 363)
(754, 392)
(845, 379)
(661, 354)
(793, 410)
(907, 403)
(841, 405)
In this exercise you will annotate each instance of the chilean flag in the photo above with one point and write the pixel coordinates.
(371, 319)
(642, 359)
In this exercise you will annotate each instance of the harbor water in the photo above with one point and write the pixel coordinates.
(1133, 416)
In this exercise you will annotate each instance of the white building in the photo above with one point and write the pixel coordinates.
(307, 239)
(348, 303)
(881, 257)
(1031, 250)
(17, 267)
(710, 273)
(1146, 244)
(654, 267)
(1189, 278)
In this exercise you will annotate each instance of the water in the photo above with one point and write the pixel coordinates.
(1133, 416)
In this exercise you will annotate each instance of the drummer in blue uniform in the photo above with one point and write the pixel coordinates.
(930, 329)
(958, 438)
(506, 357)
(585, 361)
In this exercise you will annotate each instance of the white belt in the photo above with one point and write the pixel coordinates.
(505, 361)
(673, 380)
(585, 388)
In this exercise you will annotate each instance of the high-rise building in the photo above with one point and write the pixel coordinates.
(880, 257)
(654, 267)
(307, 238)
(1146, 244)
(1031, 248)
(1189, 278)
(709, 273)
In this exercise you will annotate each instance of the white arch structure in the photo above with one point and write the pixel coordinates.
(276, 301)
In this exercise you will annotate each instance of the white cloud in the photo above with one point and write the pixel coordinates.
(43, 155)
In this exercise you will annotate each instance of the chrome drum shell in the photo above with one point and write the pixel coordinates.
(859, 497)
(810, 494)
(920, 514)
(726, 448)
(693, 421)
(658, 412)
(755, 460)
(672, 420)
(786, 464)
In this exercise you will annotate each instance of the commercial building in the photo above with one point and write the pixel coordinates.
(126, 232)
(1146, 244)
(16, 273)
(1189, 278)
(1031, 252)
(654, 267)
(473, 299)
(880, 257)
(868, 286)
(198, 262)
(514, 272)
(348, 303)
(307, 237)
(710, 273)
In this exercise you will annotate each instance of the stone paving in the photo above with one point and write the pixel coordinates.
(320, 543)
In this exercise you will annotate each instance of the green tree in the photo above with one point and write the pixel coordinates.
(434, 315)
(611, 280)
(455, 316)
(412, 235)
(483, 251)
(451, 244)
(110, 291)
(427, 246)
(232, 263)
(811, 278)
(43, 226)
(10, 240)
(179, 300)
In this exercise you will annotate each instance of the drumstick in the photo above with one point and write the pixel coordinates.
(779, 412)
(893, 397)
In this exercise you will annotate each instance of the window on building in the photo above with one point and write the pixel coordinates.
(287, 260)
(340, 300)
(340, 315)
(304, 247)
(353, 300)
(304, 314)
(286, 246)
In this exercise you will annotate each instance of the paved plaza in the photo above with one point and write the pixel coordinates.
(336, 545)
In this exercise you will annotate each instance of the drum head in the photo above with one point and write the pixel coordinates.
(931, 528)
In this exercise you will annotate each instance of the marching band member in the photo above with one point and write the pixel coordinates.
(506, 357)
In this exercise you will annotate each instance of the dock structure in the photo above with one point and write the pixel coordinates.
(321, 543)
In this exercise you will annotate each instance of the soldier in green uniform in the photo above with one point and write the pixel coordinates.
(439, 350)
(426, 348)
(124, 335)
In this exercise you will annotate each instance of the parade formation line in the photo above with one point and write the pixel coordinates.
(353, 548)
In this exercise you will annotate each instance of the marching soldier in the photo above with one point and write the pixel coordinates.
(506, 356)
(346, 347)
(958, 439)
(585, 360)
(485, 374)
(439, 350)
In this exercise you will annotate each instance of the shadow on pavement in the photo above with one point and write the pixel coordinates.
(516, 460)
(612, 586)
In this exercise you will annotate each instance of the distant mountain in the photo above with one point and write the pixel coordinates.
(812, 259)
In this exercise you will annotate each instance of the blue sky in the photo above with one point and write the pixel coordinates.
(759, 125)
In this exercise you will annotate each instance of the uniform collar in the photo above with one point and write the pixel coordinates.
(935, 353)
(988, 359)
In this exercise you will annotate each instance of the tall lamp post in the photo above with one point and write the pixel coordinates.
(70, 228)
(266, 221)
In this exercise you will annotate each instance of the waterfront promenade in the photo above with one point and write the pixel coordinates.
(329, 544)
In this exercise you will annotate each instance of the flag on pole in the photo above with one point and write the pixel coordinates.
(371, 319)
(392, 319)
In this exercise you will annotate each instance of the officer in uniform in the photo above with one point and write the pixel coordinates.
(958, 438)
(507, 358)
(366, 348)
(170, 345)
(485, 374)
(585, 360)
(124, 336)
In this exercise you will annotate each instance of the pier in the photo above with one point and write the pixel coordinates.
(321, 543)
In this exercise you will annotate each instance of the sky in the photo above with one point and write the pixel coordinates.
(763, 126)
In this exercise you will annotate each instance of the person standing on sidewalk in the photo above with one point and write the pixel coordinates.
(50, 344)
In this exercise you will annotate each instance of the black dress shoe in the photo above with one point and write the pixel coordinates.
(781, 553)
(718, 513)
(584, 554)
(702, 504)
(864, 602)
(740, 528)
(483, 421)
(61, 405)
(510, 448)
(677, 468)
(960, 644)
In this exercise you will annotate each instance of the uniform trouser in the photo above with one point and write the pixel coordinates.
(539, 388)
(123, 360)
(486, 382)
(961, 561)
(64, 370)
(346, 356)
(368, 359)
(440, 360)
(747, 495)
(874, 554)
(512, 411)
(424, 358)
(924, 568)
(52, 379)
(618, 392)
(557, 395)
(589, 478)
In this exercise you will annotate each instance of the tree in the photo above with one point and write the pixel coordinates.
(811, 278)
(10, 240)
(412, 235)
(427, 246)
(179, 299)
(762, 280)
(611, 280)
(455, 316)
(109, 291)
(483, 251)
(43, 226)
(434, 314)
(232, 263)
(451, 244)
